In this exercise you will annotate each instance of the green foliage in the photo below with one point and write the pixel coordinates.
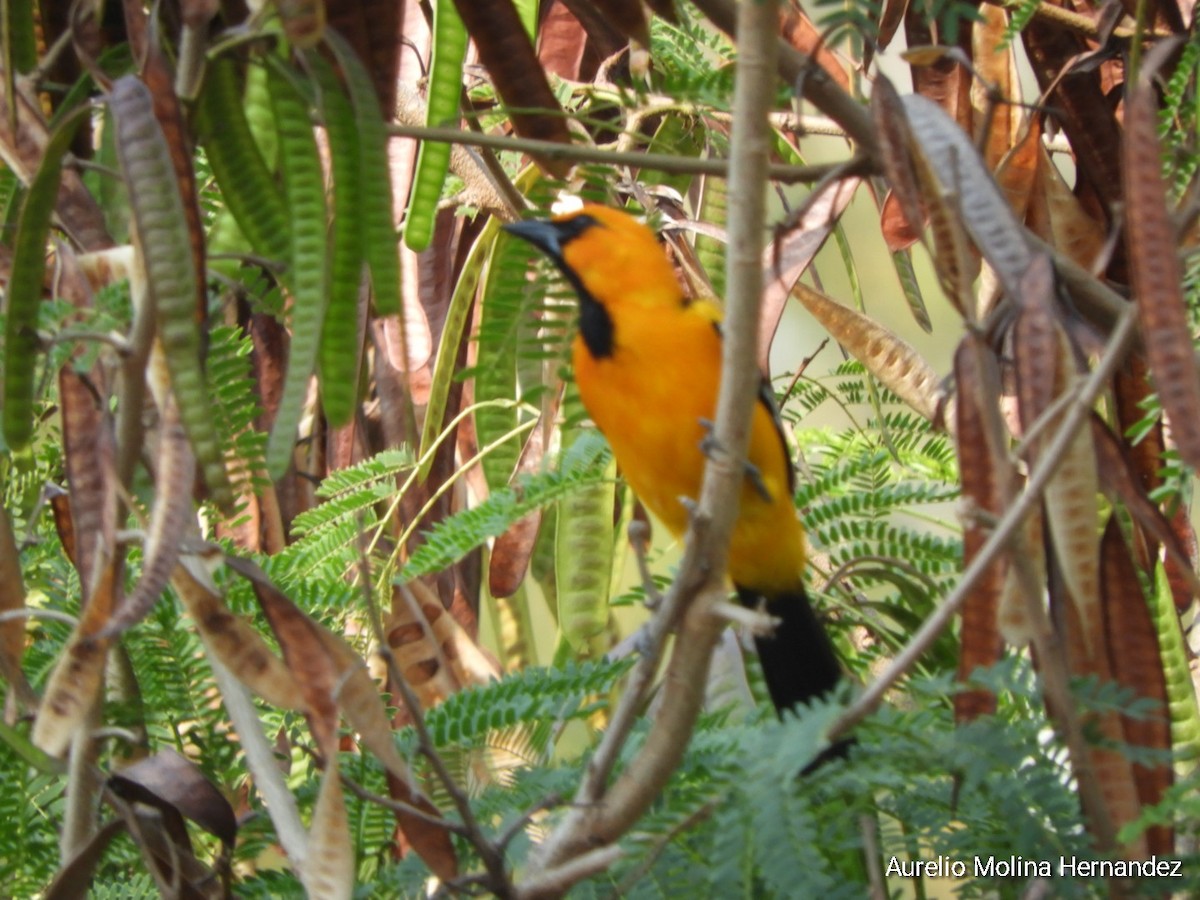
(843, 21)
(877, 498)
(1020, 15)
(31, 805)
(356, 498)
(693, 62)
(529, 697)
(229, 375)
(453, 538)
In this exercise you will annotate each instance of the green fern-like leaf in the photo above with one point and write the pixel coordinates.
(456, 536)
(1019, 16)
(329, 536)
(236, 407)
(531, 696)
(692, 62)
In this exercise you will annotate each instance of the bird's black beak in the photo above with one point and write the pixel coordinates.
(546, 236)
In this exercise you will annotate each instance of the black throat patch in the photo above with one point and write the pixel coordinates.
(595, 322)
(595, 325)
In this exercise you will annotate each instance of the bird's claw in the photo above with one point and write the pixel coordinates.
(709, 445)
(643, 643)
(756, 479)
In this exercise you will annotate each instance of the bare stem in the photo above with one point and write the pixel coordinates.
(659, 162)
(603, 817)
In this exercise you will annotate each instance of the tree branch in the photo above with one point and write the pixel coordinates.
(801, 71)
(701, 583)
(581, 153)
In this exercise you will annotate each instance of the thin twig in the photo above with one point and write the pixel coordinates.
(555, 882)
(489, 855)
(398, 806)
(639, 538)
(32, 612)
(260, 759)
(700, 584)
(1073, 21)
(800, 68)
(641, 869)
(517, 825)
(872, 857)
(659, 162)
(757, 623)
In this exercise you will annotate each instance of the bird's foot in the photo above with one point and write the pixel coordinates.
(639, 537)
(709, 446)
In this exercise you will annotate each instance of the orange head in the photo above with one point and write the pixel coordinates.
(607, 255)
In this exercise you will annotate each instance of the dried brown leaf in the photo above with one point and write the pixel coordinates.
(431, 842)
(893, 361)
(468, 664)
(789, 255)
(78, 870)
(937, 72)
(1056, 215)
(1080, 106)
(160, 834)
(628, 17)
(511, 554)
(174, 472)
(88, 453)
(896, 146)
(360, 702)
(1131, 391)
(664, 8)
(1110, 769)
(12, 598)
(420, 660)
(996, 90)
(1072, 512)
(798, 30)
(898, 233)
(170, 779)
(1121, 483)
(1180, 578)
(1045, 373)
(371, 27)
(78, 212)
(74, 685)
(563, 40)
(1013, 615)
(328, 869)
(1156, 269)
(955, 261)
(889, 21)
(1037, 343)
(980, 204)
(1017, 170)
(233, 641)
(509, 57)
(304, 651)
(1136, 663)
(512, 550)
(985, 473)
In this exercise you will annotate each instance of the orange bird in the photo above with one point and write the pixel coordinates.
(647, 362)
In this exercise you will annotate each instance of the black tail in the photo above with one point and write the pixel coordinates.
(798, 660)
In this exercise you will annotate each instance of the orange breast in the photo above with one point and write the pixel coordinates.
(649, 398)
